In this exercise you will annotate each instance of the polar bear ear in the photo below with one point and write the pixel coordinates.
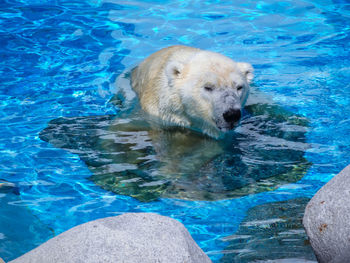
(247, 70)
(173, 70)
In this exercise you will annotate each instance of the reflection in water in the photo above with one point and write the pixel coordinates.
(129, 156)
(270, 231)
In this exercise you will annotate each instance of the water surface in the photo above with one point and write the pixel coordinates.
(59, 62)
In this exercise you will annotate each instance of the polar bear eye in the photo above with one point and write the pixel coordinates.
(240, 87)
(209, 88)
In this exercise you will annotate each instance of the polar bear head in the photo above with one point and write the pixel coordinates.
(212, 89)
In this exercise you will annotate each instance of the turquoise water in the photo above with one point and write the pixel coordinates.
(61, 59)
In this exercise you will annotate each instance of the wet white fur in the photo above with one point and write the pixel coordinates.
(170, 86)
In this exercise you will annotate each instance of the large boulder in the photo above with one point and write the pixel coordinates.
(327, 220)
(133, 237)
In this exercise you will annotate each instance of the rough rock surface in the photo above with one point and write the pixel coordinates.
(327, 220)
(133, 237)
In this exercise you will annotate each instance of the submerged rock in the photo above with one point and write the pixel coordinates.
(271, 232)
(286, 260)
(133, 238)
(129, 157)
(8, 187)
(27, 232)
(327, 220)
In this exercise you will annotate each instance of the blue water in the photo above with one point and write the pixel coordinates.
(61, 59)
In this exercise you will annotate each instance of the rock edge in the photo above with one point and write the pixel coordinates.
(131, 237)
(327, 220)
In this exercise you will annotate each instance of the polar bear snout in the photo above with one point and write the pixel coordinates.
(232, 116)
(228, 119)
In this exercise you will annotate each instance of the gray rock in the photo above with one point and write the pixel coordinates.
(327, 220)
(133, 237)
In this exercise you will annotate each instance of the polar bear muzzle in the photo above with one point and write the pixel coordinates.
(228, 119)
(232, 116)
(227, 105)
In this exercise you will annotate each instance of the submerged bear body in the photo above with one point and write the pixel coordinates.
(131, 154)
(189, 87)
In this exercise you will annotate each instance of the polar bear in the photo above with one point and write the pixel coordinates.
(130, 154)
(189, 87)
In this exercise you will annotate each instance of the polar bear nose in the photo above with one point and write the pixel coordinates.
(232, 115)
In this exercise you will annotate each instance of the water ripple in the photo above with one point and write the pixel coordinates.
(61, 58)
